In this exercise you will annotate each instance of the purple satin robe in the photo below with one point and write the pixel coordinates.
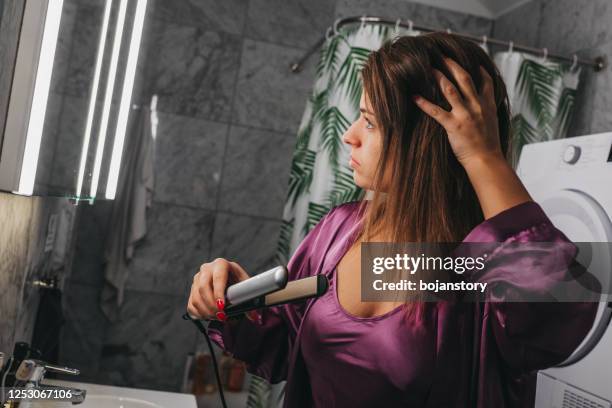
(464, 354)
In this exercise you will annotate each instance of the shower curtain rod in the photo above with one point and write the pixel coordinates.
(598, 64)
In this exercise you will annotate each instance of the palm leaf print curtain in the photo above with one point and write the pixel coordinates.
(542, 95)
(320, 176)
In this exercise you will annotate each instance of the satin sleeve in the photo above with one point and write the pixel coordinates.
(265, 345)
(531, 335)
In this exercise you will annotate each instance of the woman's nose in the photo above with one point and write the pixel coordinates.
(349, 136)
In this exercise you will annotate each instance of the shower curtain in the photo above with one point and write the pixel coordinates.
(541, 95)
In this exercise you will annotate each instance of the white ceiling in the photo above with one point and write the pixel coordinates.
(484, 8)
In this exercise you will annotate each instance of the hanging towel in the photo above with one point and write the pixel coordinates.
(128, 220)
(63, 236)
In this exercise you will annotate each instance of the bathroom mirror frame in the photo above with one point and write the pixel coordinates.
(22, 131)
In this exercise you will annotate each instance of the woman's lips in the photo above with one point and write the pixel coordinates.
(353, 162)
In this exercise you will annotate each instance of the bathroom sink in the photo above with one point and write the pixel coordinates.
(107, 396)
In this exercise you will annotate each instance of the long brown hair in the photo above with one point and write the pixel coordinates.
(428, 197)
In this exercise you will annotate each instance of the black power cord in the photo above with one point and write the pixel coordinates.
(202, 329)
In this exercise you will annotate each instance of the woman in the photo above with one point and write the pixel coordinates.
(431, 145)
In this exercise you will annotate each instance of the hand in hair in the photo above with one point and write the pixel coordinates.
(473, 133)
(472, 124)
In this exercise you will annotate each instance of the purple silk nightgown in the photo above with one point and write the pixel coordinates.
(370, 353)
(459, 355)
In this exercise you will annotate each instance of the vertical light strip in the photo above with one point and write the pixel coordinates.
(42, 84)
(108, 97)
(126, 98)
(93, 96)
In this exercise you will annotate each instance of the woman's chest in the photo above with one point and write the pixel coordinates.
(348, 284)
(393, 355)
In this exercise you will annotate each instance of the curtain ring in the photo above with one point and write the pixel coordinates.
(363, 21)
(410, 25)
(484, 40)
(510, 47)
(328, 33)
(336, 26)
(544, 53)
(448, 30)
(574, 63)
(397, 24)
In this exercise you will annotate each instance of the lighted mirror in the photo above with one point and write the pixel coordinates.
(65, 112)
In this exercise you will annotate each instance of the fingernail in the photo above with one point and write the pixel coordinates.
(416, 98)
(221, 316)
(220, 304)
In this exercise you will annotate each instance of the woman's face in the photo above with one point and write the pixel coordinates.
(365, 140)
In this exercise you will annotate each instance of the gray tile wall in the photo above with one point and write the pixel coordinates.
(229, 109)
(568, 27)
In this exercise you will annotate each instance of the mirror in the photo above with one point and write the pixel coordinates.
(68, 94)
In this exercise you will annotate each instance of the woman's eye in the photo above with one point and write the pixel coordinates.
(369, 124)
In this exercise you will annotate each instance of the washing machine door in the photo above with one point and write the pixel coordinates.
(583, 220)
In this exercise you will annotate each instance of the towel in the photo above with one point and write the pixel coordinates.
(129, 213)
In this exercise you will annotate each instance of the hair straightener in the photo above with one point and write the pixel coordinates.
(266, 289)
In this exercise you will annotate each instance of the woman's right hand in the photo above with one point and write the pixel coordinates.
(207, 297)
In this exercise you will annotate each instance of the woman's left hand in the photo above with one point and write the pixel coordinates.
(472, 124)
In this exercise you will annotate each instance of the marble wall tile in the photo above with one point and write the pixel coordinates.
(69, 143)
(91, 234)
(268, 94)
(10, 20)
(15, 216)
(61, 62)
(193, 70)
(189, 154)
(228, 16)
(566, 25)
(296, 23)
(601, 121)
(419, 13)
(76, 78)
(148, 347)
(83, 333)
(256, 172)
(507, 27)
(177, 243)
(601, 21)
(603, 79)
(48, 141)
(249, 241)
(78, 48)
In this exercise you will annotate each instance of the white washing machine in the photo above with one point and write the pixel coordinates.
(572, 180)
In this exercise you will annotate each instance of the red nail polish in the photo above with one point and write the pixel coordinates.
(220, 304)
(221, 316)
